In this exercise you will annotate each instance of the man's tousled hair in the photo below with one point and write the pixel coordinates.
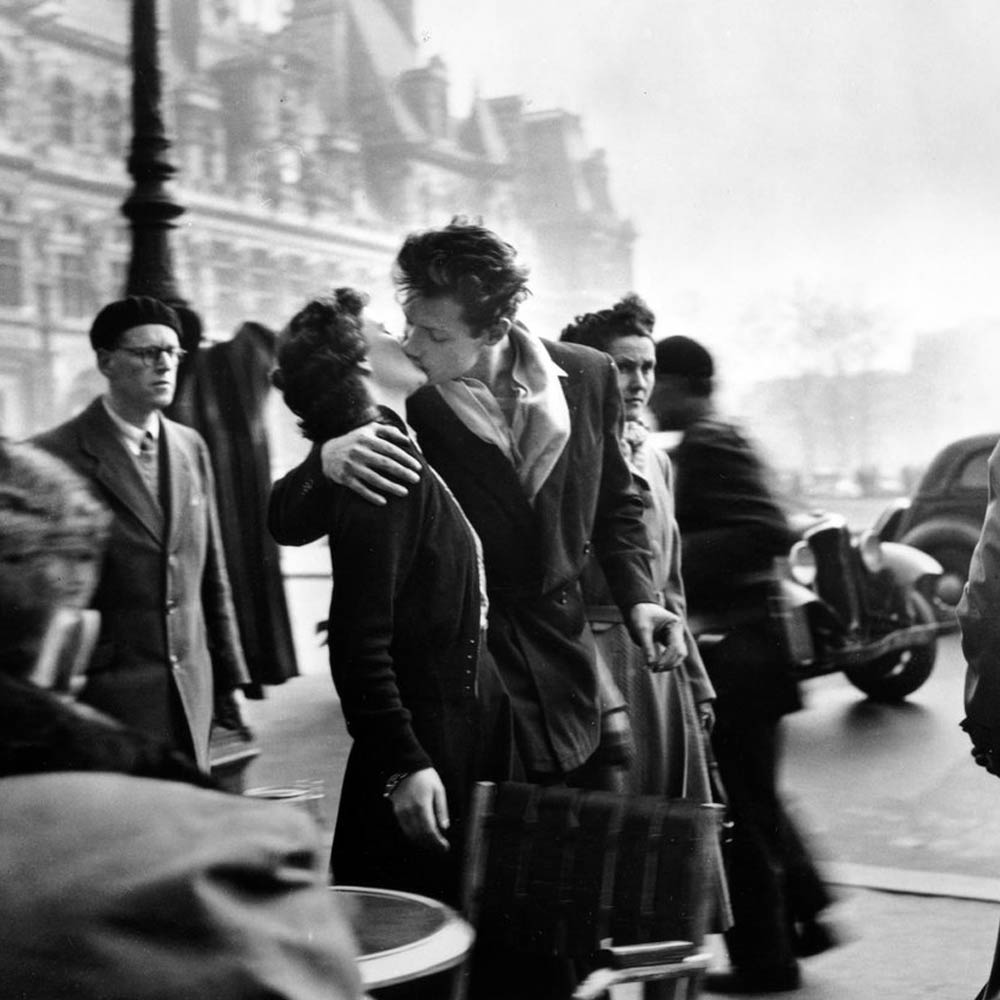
(468, 262)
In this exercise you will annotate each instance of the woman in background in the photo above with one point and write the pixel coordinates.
(670, 710)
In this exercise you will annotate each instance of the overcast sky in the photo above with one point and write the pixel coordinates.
(852, 147)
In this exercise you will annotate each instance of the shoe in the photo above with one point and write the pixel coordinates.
(779, 979)
(813, 937)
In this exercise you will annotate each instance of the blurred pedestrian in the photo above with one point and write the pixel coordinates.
(407, 616)
(168, 658)
(979, 620)
(732, 528)
(121, 876)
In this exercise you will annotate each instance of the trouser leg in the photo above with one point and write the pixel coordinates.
(761, 935)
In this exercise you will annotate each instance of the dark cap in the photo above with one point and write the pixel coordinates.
(681, 355)
(125, 314)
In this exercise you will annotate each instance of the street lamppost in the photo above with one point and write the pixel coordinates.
(152, 211)
(150, 207)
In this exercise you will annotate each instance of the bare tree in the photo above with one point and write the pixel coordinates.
(822, 350)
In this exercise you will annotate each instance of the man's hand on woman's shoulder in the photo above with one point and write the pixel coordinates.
(372, 461)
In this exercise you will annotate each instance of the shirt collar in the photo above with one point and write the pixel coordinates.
(129, 433)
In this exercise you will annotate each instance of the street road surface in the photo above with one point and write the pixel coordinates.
(877, 785)
(894, 785)
(880, 785)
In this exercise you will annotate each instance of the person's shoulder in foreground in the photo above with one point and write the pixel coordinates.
(979, 622)
(117, 887)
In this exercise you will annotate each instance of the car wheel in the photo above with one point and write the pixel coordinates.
(954, 561)
(891, 678)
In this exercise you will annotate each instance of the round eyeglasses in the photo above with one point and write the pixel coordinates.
(149, 356)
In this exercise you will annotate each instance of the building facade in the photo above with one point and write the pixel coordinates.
(304, 154)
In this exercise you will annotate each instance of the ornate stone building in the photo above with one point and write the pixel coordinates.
(304, 154)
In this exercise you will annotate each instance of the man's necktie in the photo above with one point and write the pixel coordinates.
(149, 465)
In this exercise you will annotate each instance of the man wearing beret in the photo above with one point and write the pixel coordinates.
(169, 657)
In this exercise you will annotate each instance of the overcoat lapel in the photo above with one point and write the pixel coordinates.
(492, 471)
(180, 476)
(116, 471)
(549, 502)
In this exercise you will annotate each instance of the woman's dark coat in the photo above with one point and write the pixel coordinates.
(405, 625)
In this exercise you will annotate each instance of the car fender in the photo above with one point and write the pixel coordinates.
(939, 532)
(887, 525)
(796, 595)
(909, 564)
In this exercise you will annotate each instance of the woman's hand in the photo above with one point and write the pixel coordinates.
(421, 808)
(660, 634)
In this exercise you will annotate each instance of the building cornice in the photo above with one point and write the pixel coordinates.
(239, 215)
(451, 158)
(72, 38)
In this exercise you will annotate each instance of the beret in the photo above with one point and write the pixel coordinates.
(680, 355)
(125, 314)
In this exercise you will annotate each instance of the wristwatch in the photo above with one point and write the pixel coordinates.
(393, 783)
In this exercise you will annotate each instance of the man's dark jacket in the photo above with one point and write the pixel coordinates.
(732, 528)
(168, 640)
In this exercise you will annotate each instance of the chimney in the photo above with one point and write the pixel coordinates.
(403, 14)
(425, 92)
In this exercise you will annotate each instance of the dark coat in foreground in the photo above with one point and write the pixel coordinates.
(118, 886)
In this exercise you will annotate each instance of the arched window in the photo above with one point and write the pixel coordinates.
(113, 125)
(63, 111)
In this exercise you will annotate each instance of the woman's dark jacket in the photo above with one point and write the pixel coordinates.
(405, 625)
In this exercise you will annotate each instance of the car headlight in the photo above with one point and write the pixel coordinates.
(802, 564)
(870, 549)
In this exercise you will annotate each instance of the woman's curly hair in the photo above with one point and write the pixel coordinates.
(628, 317)
(318, 355)
(468, 262)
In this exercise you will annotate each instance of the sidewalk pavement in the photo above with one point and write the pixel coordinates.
(907, 935)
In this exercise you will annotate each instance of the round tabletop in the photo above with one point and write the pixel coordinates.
(402, 936)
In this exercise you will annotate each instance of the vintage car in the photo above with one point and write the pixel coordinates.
(944, 515)
(847, 602)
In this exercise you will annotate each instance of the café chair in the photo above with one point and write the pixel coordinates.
(622, 886)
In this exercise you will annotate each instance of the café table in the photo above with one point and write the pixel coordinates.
(402, 936)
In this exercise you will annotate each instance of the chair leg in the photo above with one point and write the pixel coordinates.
(663, 989)
(460, 980)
